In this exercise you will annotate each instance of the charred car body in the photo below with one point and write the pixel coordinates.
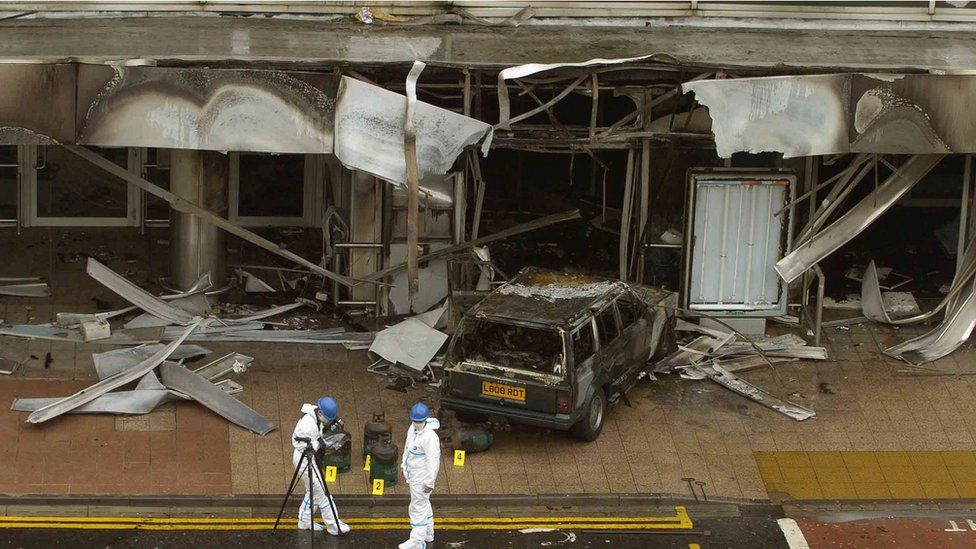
(554, 349)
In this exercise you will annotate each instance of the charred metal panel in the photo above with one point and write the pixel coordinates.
(369, 126)
(210, 109)
(795, 115)
(828, 114)
(35, 104)
(912, 114)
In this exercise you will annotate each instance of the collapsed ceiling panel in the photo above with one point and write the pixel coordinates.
(840, 113)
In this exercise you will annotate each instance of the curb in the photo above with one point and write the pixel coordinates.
(446, 500)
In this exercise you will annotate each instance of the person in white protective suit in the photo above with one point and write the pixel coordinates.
(421, 461)
(314, 424)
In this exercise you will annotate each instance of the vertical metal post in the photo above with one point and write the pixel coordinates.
(628, 205)
(645, 191)
(595, 106)
(594, 114)
(461, 181)
(413, 184)
(810, 180)
(196, 246)
(136, 164)
(967, 174)
(22, 158)
(479, 199)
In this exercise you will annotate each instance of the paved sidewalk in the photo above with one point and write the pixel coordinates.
(675, 428)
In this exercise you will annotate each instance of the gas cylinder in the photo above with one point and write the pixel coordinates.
(338, 451)
(374, 431)
(384, 463)
(473, 438)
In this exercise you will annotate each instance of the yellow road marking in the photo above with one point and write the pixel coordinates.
(680, 520)
(284, 525)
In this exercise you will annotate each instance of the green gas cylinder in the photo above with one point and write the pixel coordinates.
(337, 451)
(384, 463)
(374, 431)
(473, 438)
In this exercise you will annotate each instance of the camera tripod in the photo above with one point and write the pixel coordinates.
(308, 457)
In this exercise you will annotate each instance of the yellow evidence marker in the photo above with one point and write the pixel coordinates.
(459, 458)
(378, 487)
(330, 473)
(366, 467)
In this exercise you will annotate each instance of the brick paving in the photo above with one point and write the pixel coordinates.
(674, 428)
(88, 454)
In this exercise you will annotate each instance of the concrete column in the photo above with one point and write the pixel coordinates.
(196, 246)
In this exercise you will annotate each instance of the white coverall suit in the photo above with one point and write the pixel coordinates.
(309, 427)
(421, 460)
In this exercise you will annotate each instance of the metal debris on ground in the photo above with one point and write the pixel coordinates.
(253, 284)
(956, 326)
(407, 349)
(717, 356)
(113, 382)
(413, 342)
(233, 362)
(51, 332)
(197, 387)
(11, 360)
(24, 287)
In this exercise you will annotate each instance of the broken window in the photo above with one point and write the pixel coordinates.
(271, 185)
(629, 312)
(583, 344)
(511, 346)
(606, 322)
(70, 186)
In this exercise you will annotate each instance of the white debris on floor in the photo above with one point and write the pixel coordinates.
(900, 304)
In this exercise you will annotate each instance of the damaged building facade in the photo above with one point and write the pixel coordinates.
(358, 166)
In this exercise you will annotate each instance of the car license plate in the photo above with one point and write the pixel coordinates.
(501, 390)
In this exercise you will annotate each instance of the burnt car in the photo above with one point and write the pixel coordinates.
(553, 349)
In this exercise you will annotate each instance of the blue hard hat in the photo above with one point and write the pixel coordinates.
(419, 412)
(329, 407)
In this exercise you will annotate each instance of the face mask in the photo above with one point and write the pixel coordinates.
(418, 425)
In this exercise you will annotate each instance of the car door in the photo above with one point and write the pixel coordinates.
(635, 324)
(583, 345)
(613, 357)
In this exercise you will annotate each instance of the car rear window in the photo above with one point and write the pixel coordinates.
(510, 346)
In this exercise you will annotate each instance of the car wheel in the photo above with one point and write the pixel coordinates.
(591, 424)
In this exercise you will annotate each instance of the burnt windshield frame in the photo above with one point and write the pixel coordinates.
(468, 327)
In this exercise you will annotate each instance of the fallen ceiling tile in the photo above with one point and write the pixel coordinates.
(412, 343)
